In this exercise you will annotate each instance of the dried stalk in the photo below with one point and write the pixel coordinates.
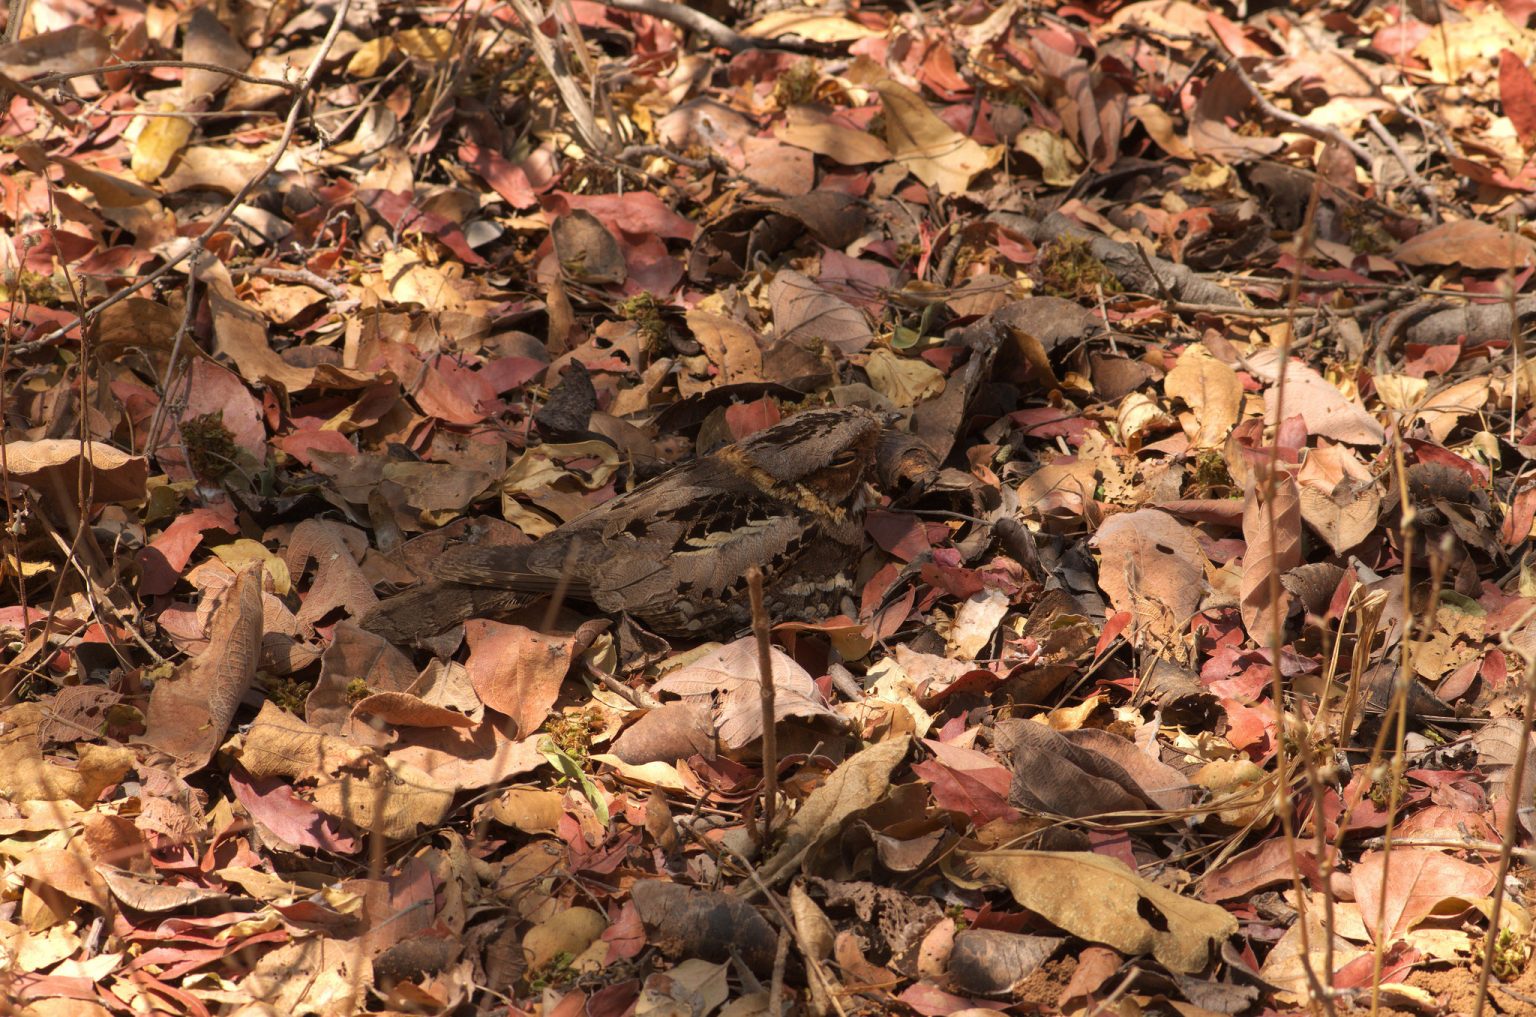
(592, 137)
(765, 678)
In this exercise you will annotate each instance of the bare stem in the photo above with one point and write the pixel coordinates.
(765, 676)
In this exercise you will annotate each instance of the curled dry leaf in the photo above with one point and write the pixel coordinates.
(1151, 565)
(1318, 402)
(934, 152)
(684, 922)
(863, 779)
(1468, 243)
(1399, 890)
(1211, 390)
(1272, 530)
(988, 962)
(1340, 499)
(189, 713)
(730, 675)
(1053, 776)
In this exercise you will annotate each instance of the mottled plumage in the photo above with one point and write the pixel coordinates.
(673, 553)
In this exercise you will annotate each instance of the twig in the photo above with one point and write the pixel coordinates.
(1241, 312)
(49, 80)
(197, 245)
(16, 13)
(717, 32)
(1511, 831)
(302, 275)
(1301, 123)
(776, 983)
(765, 679)
(631, 151)
(640, 698)
(28, 92)
(571, 95)
(189, 311)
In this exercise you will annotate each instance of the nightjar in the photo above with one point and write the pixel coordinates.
(673, 553)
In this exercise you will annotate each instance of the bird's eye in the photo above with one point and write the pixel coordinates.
(843, 460)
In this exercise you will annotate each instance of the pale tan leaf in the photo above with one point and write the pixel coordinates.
(1211, 389)
(930, 149)
(905, 381)
(1151, 565)
(1443, 410)
(814, 131)
(1340, 499)
(1100, 900)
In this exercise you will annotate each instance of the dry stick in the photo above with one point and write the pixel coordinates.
(1516, 341)
(776, 983)
(717, 32)
(196, 247)
(16, 13)
(10, 84)
(1511, 826)
(1277, 630)
(765, 679)
(1399, 704)
(49, 80)
(1302, 124)
(570, 93)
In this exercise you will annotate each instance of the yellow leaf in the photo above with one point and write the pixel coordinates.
(370, 56)
(930, 149)
(158, 144)
(426, 43)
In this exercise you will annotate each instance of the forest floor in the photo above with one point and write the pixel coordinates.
(1198, 679)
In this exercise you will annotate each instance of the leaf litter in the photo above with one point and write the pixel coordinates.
(1201, 328)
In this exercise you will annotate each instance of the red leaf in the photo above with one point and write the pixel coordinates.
(1517, 91)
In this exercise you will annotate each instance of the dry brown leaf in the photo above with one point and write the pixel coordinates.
(207, 41)
(1410, 885)
(278, 744)
(1265, 558)
(189, 713)
(1443, 410)
(814, 131)
(809, 24)
(930, 149)
(1051, 775)
(1151, 565)
(731, 673)
(1211, 390)
(729, 344)
(861, 781)
(809, 316)
(1288, 962)
(1317, 401)
(1467, 243)
(905, 381)
(1340, 499)
(516, 670)
(1098, 899)
(26, 777)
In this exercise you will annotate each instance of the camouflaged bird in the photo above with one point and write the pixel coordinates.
(673, 553)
